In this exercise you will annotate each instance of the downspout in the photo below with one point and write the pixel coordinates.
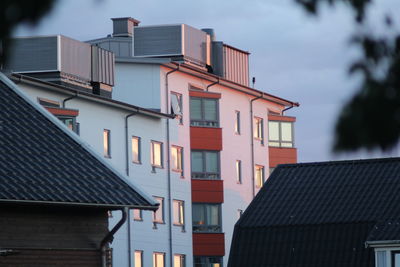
(69, 98)
(110, 236)
(252, 143)
(167, 111)
(127, 174)
(283, 111)
(212, 84)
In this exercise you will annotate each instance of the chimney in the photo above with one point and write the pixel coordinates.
(123, 27)
(210, 32)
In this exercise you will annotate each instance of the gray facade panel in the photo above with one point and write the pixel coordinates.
(195, 44)
(102, 66)
(33, 54)
(75, 58)
(158, 40)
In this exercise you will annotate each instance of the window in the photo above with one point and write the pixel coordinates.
(206, 217)
(207, 261)
(70, 122)
(205, 165)
(156, 154)
(177, 159)
(135, 149)
(158, 259)
(176, 106)
(138, 258)
(280, 134)
(137, 215)
(395, 258)
(259, 175)
(239, 171)
(106, 143)
(158, 215)
(237, 122)
(258, 130)
(204, 112)
(179, 215)
(179, 260)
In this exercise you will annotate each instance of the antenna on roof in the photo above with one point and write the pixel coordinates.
(253, 81)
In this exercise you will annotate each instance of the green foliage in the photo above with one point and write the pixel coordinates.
(372, 117)
(14, 12)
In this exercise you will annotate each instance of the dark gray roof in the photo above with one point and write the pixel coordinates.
(41, 161)
(318, 214)
(387, 231)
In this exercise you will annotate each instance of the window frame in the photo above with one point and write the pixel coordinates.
(204, 175)
(259, 167)
(152, 159)
(179, 159)
(139, 149)
(181, 213)
(258, 130)
(238, 169)
(280, 141)
(205, 260)
(159, 210)
(203, 122)
(237, 122)
(107, 143)
(155, 254)
(141, 258)
(182, 260)
(180, 104)
(205, 228)
(137, 215)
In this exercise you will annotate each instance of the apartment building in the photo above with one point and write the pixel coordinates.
(228, 135)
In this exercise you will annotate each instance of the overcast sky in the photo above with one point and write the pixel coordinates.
(294, 56)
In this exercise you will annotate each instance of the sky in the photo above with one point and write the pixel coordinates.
(293, 55)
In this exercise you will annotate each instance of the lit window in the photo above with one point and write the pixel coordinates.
(204, 112)
(239, 171)
(158, 259)
(179, 260)
(137, 215)
(207, 261)
(206, 217)
(179, 215)
(280, 133)
(205, 165)
(106, 143)
(176, 106)
(177, 159)
(258, 130)
(158, 215)
(135, 149)
(138, 258)
(259, 175)
(156, 154)
(237, 122)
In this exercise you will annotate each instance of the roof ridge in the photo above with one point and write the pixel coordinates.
(341, 162)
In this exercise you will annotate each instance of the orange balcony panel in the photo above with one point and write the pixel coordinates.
(282, 155)
(206, 138)
(63, 111)
(208, 244)
(204, 94)
(207, 191)
(273, 117)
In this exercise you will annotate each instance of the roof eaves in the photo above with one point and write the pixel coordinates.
(73, 136)
(20, 78)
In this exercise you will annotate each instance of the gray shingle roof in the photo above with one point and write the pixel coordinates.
(320, 214)
(41, 161)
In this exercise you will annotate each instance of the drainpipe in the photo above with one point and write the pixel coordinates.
(69, 98)
(127, 174)
(110, 236)
(212, 84)
(283, 111)
(252, 142)
(167, 111)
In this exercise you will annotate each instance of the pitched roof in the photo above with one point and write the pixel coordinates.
(41, 161)
(323, 211)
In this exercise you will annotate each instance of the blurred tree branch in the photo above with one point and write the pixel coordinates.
(14, 12)
(372, 117)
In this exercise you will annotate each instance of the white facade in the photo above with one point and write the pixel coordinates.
(146, 236)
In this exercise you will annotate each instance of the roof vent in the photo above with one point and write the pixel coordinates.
(123, 27)
(210, 32)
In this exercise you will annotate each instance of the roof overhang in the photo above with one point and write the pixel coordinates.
(382, 243)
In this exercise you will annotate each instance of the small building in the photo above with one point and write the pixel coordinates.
(340, 213)
(55, 191)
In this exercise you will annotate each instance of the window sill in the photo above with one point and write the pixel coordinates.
(137, 162)
(237, 182)
(138, 220)
(107, 157)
